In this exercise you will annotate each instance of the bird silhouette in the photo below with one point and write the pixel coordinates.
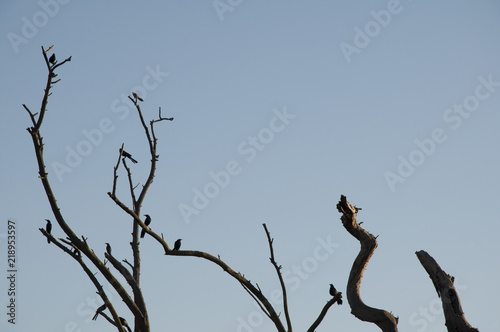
(128, 155)
(136, 96)
(98, 311)
(108, 248)
(146, 222)
(334, 292)
(124, 323)
(177, 245)
(52, 58)
(48, 228)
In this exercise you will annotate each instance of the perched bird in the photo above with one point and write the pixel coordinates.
(48, 228)
(333, 291)
(136, 96)
(146, 222)
(128, 155)
(52, 58)
(108, 248)
(177, 245)
(124, 323)
(98, 311)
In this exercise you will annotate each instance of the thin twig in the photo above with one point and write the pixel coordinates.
(323, 312)
(282, 283)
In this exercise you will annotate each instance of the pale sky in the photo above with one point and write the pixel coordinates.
(280, 107)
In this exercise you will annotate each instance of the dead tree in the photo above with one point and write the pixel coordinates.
(455, 319)
(77, 248)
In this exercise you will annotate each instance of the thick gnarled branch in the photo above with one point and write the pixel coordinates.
(383, 319)
(443, 282)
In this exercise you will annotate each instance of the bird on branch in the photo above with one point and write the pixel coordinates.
(177, 245)
(334, 292)
(108, 248)
(125, 154)
(125, 324)
(98, 311)
(48, 228)
(52, 58)
(136, 96)
(146, 222)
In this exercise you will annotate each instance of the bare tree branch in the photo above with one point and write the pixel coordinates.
(115, 170)
(73, 238)
(443, 282)
(336, 298)
(256, 301)
(282, 283)
(131, 185)
(383, 319)
(77, 256)
(240, 278)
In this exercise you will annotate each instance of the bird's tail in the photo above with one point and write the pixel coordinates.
(133, 160)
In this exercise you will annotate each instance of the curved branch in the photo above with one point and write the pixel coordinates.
(256, 301)
(240, 278)
(443, 282)
(271, 313)
(383, 319)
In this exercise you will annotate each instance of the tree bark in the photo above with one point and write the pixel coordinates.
(383, 319)
(454, 316)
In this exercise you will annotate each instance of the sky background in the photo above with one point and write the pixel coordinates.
(362, 107)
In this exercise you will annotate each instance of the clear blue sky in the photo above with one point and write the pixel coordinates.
(394, 104)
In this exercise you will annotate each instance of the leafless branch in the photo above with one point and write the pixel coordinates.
(115, 170)
(129, 176)
(257, 301)
(383, 319)
(443, 282)
(81, 246)
(92, 276)
(282, 283)
(336, 298)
